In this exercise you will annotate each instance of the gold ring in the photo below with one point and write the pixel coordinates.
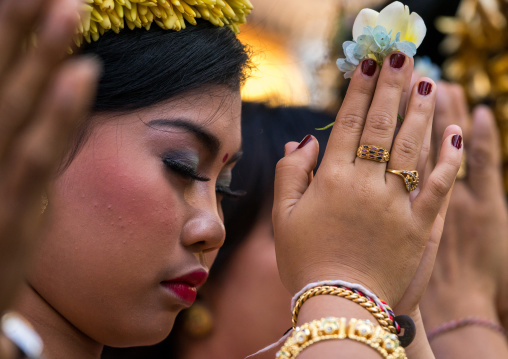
(373, 153)
(411, 178)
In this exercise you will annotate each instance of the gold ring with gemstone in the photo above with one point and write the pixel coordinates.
(410, 178)
(373, 153)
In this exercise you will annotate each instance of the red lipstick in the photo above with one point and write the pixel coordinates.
(185, 287)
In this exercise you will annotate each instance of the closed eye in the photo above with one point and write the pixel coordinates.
(184, 170)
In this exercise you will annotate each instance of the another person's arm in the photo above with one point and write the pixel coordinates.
(468, 283)
(42, 98)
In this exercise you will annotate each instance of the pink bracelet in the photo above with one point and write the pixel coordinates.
(455, 324)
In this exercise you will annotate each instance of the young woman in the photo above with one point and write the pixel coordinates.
(247, 258)
(134, 218)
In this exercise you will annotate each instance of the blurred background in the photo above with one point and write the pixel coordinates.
(296, 43)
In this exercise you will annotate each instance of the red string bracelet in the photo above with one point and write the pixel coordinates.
(455, 324)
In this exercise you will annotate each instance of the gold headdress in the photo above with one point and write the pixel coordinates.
(100, 16)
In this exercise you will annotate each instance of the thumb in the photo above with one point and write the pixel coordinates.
(292, 174)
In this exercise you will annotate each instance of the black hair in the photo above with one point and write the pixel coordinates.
(142, 68)
(265, 130)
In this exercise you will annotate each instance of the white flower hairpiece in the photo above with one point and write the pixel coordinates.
(376, 34)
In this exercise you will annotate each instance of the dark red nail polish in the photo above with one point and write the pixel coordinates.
(369, 67)
(457, 141)
(424, 88)
(397, 60)
(304, 141)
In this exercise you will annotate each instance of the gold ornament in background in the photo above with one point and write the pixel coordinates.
(197, 321)
(100, 16)
(477, 46)
(277, 76)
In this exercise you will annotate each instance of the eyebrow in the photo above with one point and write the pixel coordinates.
(211, 142)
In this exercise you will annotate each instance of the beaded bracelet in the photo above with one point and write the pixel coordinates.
(362, 331)
(384, 319)
(455, 324)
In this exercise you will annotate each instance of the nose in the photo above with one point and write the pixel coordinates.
(203, 232)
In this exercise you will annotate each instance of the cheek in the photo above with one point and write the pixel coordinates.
(124, 200)
(113, 231)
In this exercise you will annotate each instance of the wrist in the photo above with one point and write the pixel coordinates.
(325, 306)
(451, 306)
(347, 275)
(420, 347)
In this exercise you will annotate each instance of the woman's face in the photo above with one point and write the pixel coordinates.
(135, 220)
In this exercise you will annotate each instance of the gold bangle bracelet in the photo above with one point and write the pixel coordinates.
(363, 331)
(382, 318)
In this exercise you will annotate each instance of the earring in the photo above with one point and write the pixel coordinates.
(44, 203)
(197, 321)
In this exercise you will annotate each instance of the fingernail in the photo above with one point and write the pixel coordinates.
(424, 88)
(397, 60)
(304, 141)
(369, 67)
(457, 141)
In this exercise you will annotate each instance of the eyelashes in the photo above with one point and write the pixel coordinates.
(187, 171)
(228, 192)
(184, 169)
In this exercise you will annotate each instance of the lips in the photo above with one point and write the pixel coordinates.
(185, 287)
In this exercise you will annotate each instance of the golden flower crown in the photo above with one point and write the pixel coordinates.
(99, 16)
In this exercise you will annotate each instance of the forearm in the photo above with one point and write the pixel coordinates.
(471, 341)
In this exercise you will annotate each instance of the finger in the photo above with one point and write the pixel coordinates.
(292, 175)
(443, 116)
(451, 109)
(437, 189)
(347, 130)
(404, 100)
(382, 116)
(40, 149)
(22, 91)
(409, 141)
(484, 154)
(17, 21)
(406, 94)
(291, 147)
(424, 165)
(460, 108)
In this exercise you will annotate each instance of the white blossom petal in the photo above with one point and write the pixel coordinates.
(416, 29)
(366, 17)
(394, 17)
(345, 66)
(350, 54)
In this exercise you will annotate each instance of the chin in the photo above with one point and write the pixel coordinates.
(144, 333)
